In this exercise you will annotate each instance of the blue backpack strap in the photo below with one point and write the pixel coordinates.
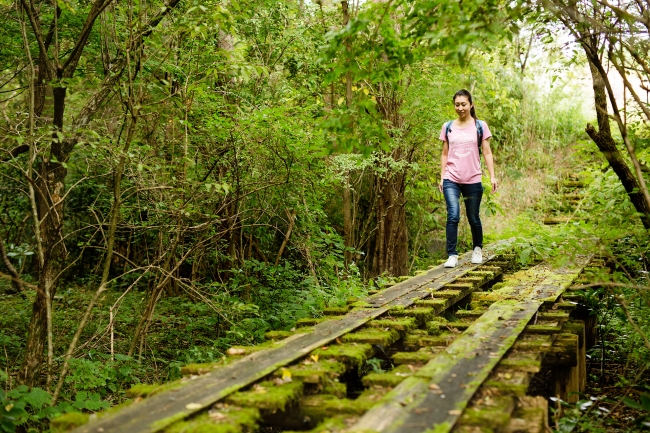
(479, 136)
(448, 130)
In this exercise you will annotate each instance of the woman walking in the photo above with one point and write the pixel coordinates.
(464, 139)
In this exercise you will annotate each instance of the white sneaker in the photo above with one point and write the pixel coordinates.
(451, 262)
(477, 256)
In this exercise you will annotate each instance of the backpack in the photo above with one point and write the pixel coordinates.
(479, 134)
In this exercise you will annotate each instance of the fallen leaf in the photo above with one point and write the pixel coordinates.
(314, 358)
(455, 412)
(434, 386)
(192, 406)
(216, 415)
(235, 351)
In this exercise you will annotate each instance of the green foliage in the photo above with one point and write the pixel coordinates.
(27, 408)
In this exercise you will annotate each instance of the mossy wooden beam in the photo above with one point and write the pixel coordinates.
(268, 396)
(312, 321)
(352, 354)
(420, 314)
(401, 324)
(389, 379)
(372, 336)
(489, 413)
(531, 416)
(313, 372)
(336, 311)
(220, 419)
(420, 357)
(563, 352)
(321, 406)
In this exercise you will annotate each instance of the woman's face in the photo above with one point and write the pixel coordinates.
(462, 106)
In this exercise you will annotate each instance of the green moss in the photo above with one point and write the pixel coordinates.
(322, 406)
(402, 324)
(527, 365)
(239, 351)
(486, 274)
(420, 357)
(507, 388)
(330, 425)
(334, 388)
(268, 396)
(351, 300)
(493, 419)
(421, 314)
(278, 335)
(144, 390)
(314, 372)
(311, 321)
(436, 326)
(69, 421)
(450, 293)
(352, 354)
(493, 413)
(469, 314)
(438, 305)
(414, 342)
(543, 329)
(474, 281)
(192, 369)
(372, 336)
(336, 311)
(221, 419)
(553, 315)
(568, 306)
(388, 379)
(461, 287)
(444, 427)
(361, 304)
(461, 326)
(533, 343)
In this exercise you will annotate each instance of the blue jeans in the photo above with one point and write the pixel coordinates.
(472, 194)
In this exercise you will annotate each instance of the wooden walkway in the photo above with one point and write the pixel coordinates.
(459, 348)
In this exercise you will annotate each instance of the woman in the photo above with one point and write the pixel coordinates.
(461, 173)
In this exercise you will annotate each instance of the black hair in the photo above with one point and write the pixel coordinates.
(463, 92)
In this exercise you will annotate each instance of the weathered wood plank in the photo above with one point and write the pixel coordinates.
(439, 392)
(159, 411)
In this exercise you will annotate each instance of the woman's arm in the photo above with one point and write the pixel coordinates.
(489, 161)
(443, 163)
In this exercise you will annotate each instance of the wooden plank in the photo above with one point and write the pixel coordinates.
(438, 393)
(159, 411)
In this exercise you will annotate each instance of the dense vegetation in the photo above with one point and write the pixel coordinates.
(179, 177)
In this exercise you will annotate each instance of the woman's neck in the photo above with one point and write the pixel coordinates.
(464, 121)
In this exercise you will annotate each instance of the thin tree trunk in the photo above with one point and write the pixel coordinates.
(292, 220)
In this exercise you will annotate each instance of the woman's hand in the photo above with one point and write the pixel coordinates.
(440, 185)
(495, 185)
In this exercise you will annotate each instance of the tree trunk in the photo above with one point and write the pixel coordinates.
(51, 188)
(389, 251)
(607, 146)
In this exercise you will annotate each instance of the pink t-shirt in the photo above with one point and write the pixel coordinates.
(463, 162)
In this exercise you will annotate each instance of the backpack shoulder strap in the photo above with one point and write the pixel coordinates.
(479, 135)
(448, 130)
